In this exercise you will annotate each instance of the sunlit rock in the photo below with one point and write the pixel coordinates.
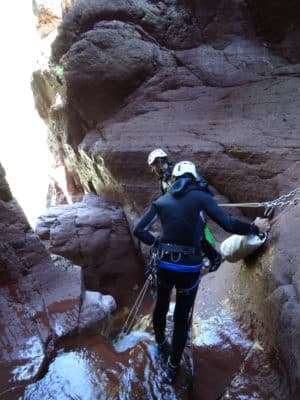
(94, 308)
(49, 14)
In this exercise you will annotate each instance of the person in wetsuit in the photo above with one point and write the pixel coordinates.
(159, 163)
(161, 166)
(180, 254)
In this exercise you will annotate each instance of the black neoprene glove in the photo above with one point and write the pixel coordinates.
(215, 263)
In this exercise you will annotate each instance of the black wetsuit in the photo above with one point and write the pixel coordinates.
(179, 213)
(208, 249)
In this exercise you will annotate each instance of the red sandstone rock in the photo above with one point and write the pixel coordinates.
(40, 301)
(95, 235)
(215, 82)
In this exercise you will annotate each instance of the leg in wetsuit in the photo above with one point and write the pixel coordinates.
(184, 303)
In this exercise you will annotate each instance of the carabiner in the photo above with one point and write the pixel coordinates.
(175, 259)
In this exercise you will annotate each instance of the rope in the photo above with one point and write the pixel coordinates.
(284, 200)
(134, 310)
(190, 324)
(151, 279)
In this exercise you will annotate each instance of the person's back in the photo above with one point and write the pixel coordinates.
(180, 209)
(179, 253)
(179, 212)
(161, 166)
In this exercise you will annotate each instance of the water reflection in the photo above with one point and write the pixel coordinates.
(33, 356)
(96, 370)
(228, 365)
(231, 365)
(71, 375)
(218, 329)
(125, 342)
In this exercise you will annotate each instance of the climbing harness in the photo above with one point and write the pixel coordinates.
(151, 280)
(176, 251)
(282, 201)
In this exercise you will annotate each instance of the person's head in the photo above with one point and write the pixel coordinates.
(158, 161)
(185, 169)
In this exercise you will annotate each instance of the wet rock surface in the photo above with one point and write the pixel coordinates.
(231, 360)
(101, 373)
(40, 299)
(223, 361)
(214, 82)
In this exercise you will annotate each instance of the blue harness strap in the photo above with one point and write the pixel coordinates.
(188, 291)
(179, 267)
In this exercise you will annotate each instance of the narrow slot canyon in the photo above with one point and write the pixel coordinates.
(102, 85)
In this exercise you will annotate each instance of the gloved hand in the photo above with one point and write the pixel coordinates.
(215, 264)
(263, 224)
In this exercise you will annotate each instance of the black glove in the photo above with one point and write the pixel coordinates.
(215, 264)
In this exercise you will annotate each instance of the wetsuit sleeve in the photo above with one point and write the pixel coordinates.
(141, 231)
(228, 223)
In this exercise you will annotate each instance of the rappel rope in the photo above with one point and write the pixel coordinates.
(282, 201)
(190, 337)
(137, 304)
(134, 310)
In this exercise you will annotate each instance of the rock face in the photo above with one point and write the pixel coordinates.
(40, 300)
(216, 82)
(136, 75)
(95, 235)
(284, 299)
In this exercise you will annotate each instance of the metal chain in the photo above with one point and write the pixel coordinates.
(284, 200)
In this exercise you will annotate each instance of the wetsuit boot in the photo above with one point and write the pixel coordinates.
(172, 371)
(164, 350)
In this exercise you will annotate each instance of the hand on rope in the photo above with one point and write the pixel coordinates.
(263, 224)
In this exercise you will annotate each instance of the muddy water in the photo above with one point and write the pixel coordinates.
(221, 361)
(89, 368)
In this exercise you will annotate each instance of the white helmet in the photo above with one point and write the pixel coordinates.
(157, 153)
(184, 167)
